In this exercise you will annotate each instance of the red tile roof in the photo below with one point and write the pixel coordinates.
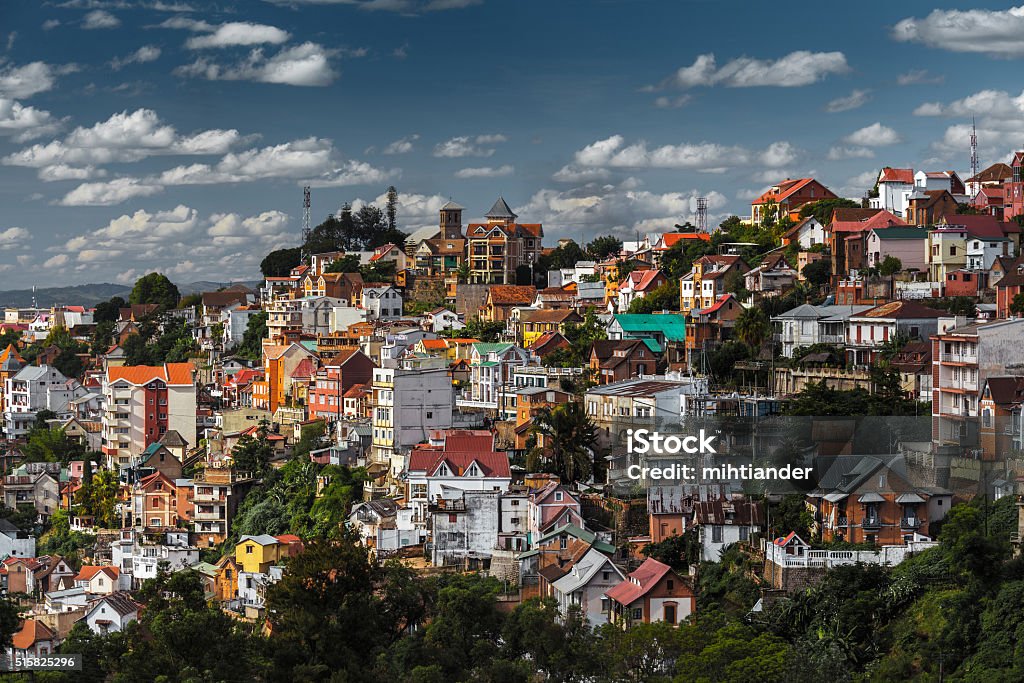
(669, 239)
(492, 464)
(897, 175)
(512, 295)
(87, 572)
(881, 219)
(171, 373)
(641, 280)
(31, 632)
(639, 583)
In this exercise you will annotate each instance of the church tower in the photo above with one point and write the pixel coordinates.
(451, 221)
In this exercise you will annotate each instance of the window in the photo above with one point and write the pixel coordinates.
(638, 614)
(558, 496)
(248, 550)
(744, 533)
(716, 534)
(563, 542)
(671, 584)
(606, 575)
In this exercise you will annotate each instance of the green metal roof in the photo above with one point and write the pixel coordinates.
(483, 348)
(652, 344)
(308, 344)
(582, 534)
(672, 325)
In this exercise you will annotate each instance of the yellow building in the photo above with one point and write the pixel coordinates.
(10, 364)
(257, 554)
(533, 324)
(225, 586)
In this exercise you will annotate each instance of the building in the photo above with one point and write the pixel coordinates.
(665, 332)
(497, 248)
(617, 360)
(491, 368)
(532, 324)
(407, 405)
(653, 592)
(929, 207)
(584, 587)
(381, 302)
(871, 331)
(963, 358)
(806, 325)
(784, 199)
(807, 233)
(637, 285)
(332, 381)
(1001, 425)
(707, 280)
(1014, 201)
(708, 328)
(11, 363)
(111, 613)
(905, 243)
(724, 522)
(502, 299)
(894, 186)
(34, 388)
(637, 404)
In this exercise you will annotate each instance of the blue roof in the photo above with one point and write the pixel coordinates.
(671, 325)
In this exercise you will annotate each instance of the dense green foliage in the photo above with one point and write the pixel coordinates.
(155, 288)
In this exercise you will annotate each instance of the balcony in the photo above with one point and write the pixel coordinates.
(958, 358)
(207, 516)
(843, 522)
(871, 523)
(910, 523)
(209, 498)
(832, 338)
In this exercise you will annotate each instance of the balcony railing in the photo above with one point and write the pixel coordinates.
(958, 358)
(910, 523)
(871, 523)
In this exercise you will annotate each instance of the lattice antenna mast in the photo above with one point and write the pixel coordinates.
(701, 214)
(305, 216)
(974, 151)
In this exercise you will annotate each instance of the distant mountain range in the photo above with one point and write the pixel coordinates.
(90, 295)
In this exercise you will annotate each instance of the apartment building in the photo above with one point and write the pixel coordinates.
(32, 389)
(407, 405)
(963, 358)
(144, 402)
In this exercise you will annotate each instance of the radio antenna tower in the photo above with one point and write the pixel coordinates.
(974, 152)
(701, 214)
(305, 216)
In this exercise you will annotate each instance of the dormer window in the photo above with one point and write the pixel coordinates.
(473, 471)
(558, 496)
(442, 471)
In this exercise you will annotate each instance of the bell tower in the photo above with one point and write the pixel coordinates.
(451, 221)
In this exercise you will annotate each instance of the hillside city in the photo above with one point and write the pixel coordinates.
(403, 456)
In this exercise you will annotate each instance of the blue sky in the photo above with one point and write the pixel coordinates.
(174, 135)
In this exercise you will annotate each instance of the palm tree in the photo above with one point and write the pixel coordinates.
(752, 327)
(568, 441)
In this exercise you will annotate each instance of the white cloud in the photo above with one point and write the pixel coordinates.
(13, 236)
(51, 24)
(25, 123)
(486, 172)
(468, 146)
(109, 192)
(187, 24)
(402, 145)
(796, 69)
(56, 261)
(573, 173)
(296, 159)
(142, 228)
(64, 172)
(98, 19)
(856, 186)
(875, 135)
(855, 100)
(239, 33)
(414, 210)
(612, 152)
(19, 82)
(672, 102)
(308, 64)
(145, 54)
(918, 76)
(407, 7)
(1000, 122)
(994, 32)
(124, 137)
(840, 153)
(928, 109)
(602, 208)
(353, 173)
(232, 229)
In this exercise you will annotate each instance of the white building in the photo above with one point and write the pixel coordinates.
(583, 588)
(724, 522)
(35, 388)
(895, 185)
(382, 303)
(982, 252)
(491, 367)
(807, 324)
(407, 406)
(138, 556)
(441, 319)
(111, 613)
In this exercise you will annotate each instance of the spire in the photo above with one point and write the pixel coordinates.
(500, 211)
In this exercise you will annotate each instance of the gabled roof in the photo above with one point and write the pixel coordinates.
(1006, 391)
(784, 190)
(452, 206)
(512, 295)
(86, 573)
(896, 175)
(119, 601)
(584, 570)
(672, 325)
(262, 539)
(31, 632)
(993, 174)
(642, 280)
(10, 359)
(550, 316)
(492, 465)
(640, 582)
(173, 439)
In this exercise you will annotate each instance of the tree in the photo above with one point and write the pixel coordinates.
(280, 262)
(253, 454)
(818, 273)
(889, 266)
(52, 445)
(601, 248)
(1017, 305)
(736, 284)
(678, 552)
(251, 346)
(391, 209)
(665, 297)
(569, 442)
(311, 437)
(791, 514)
(752, 327)
(346, 264)
(155, 288)
(823, 209)
(109, 311)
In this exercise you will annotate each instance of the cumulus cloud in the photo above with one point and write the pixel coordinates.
(840, 153)
(13, 236)
(124, 137)
(402, 145)
(486, 172)
(468, 146)
(308, 64)
(234, 229)
(796, 69)
(855, 100)
(1000, 121)
(109, 192)
(25, 123)
(99, 19)
(993, 32)
(239, 33)
(64, 172)
(146, 53)
(56, 261)
(613, 208)
(672, 102)
(613, 152)
(142, 228)
(414, 210)
(875, 135)
(19, 82)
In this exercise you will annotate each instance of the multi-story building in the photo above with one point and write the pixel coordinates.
(280, 363)
(806, 325)
(144, 402)
(34, 388)
(216, 494)
(407, 405)
(871, 331)
(963, 358)
(643, 403)
(10, 363)
(1014, 201)
(706, 281)
(495, 249)
(783, 200)
(333, 380)
(381, 302)
(309, 315)
(490, 368)
(895, 185)
(653, 592)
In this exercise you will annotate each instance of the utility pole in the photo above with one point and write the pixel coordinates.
(305, 218)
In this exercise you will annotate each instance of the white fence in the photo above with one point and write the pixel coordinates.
(886, 555)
